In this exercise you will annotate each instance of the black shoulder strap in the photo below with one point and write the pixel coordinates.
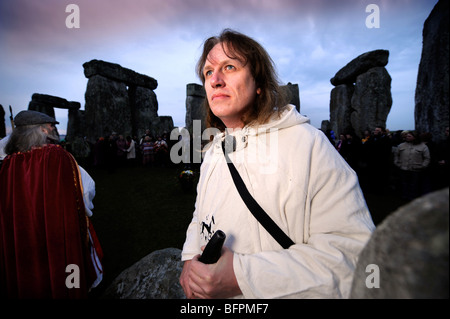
(254, 207)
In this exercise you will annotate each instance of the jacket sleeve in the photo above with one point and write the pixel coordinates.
(192, 242)
(337, 224)
(397, 156)
(88, 186)
(191, 246)
(426, 156)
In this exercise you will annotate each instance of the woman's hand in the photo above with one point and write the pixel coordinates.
(210, 281)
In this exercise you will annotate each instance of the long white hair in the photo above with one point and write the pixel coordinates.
(24, 138)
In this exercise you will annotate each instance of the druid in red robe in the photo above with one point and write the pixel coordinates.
(48, 247)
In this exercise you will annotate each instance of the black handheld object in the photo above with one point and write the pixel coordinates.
(213, 249)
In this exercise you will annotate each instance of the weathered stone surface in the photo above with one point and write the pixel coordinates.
(410, 248)
(76, 125)
(325, 125)
(54, 101)
(107, 108)
(80, 149)
(432, 92)
(76, 132)
(161, 125)
(359, 65)
(155, 276)
(118, 73)
(2, 122)
(47, 103)
(372, 100)
(144, 110)
(341, 109)
(193, 89)
(195, 95)
(293, 94)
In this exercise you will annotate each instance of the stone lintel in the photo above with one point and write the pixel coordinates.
(118, 73)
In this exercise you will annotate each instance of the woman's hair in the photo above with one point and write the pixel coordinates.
(24, 138)
(272, 98)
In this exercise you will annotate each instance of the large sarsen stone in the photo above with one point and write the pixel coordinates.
(408, 252)
(431, 111)
(372, 100)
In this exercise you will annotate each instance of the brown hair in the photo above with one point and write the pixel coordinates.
(272, 98)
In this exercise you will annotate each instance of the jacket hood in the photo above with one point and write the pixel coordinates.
(288, 118)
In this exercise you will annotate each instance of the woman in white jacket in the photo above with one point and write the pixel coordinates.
(290, 169)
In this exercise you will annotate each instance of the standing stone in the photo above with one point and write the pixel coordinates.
(107, 108)
(372, 100)
(2, 122)
(166, 124)
(76, 130)
(341, 109)
(325, 125)
(161, 125)
(195, 96)
(144, 110)
(432, 92)
(76, 125)
(293, 94)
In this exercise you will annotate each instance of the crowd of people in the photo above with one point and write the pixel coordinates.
(407, 162)
(119, 151)
(403, 161)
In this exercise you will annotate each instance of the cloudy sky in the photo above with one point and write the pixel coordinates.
(309, 42)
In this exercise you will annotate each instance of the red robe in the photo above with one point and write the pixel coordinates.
(43, 226)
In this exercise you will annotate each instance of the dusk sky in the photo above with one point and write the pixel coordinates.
(309, 42)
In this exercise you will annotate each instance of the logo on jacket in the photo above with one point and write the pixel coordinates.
(207, 232)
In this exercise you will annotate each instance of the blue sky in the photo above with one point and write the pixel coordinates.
(309, 42)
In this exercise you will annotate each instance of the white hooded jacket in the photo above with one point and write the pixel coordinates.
(298, 178)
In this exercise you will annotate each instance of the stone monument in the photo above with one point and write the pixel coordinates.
(121, 100)
(362, 97)
(432, 99)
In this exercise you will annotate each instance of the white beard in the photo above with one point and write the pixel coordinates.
(53, 137)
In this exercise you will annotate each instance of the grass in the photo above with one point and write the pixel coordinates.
(138, 210)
